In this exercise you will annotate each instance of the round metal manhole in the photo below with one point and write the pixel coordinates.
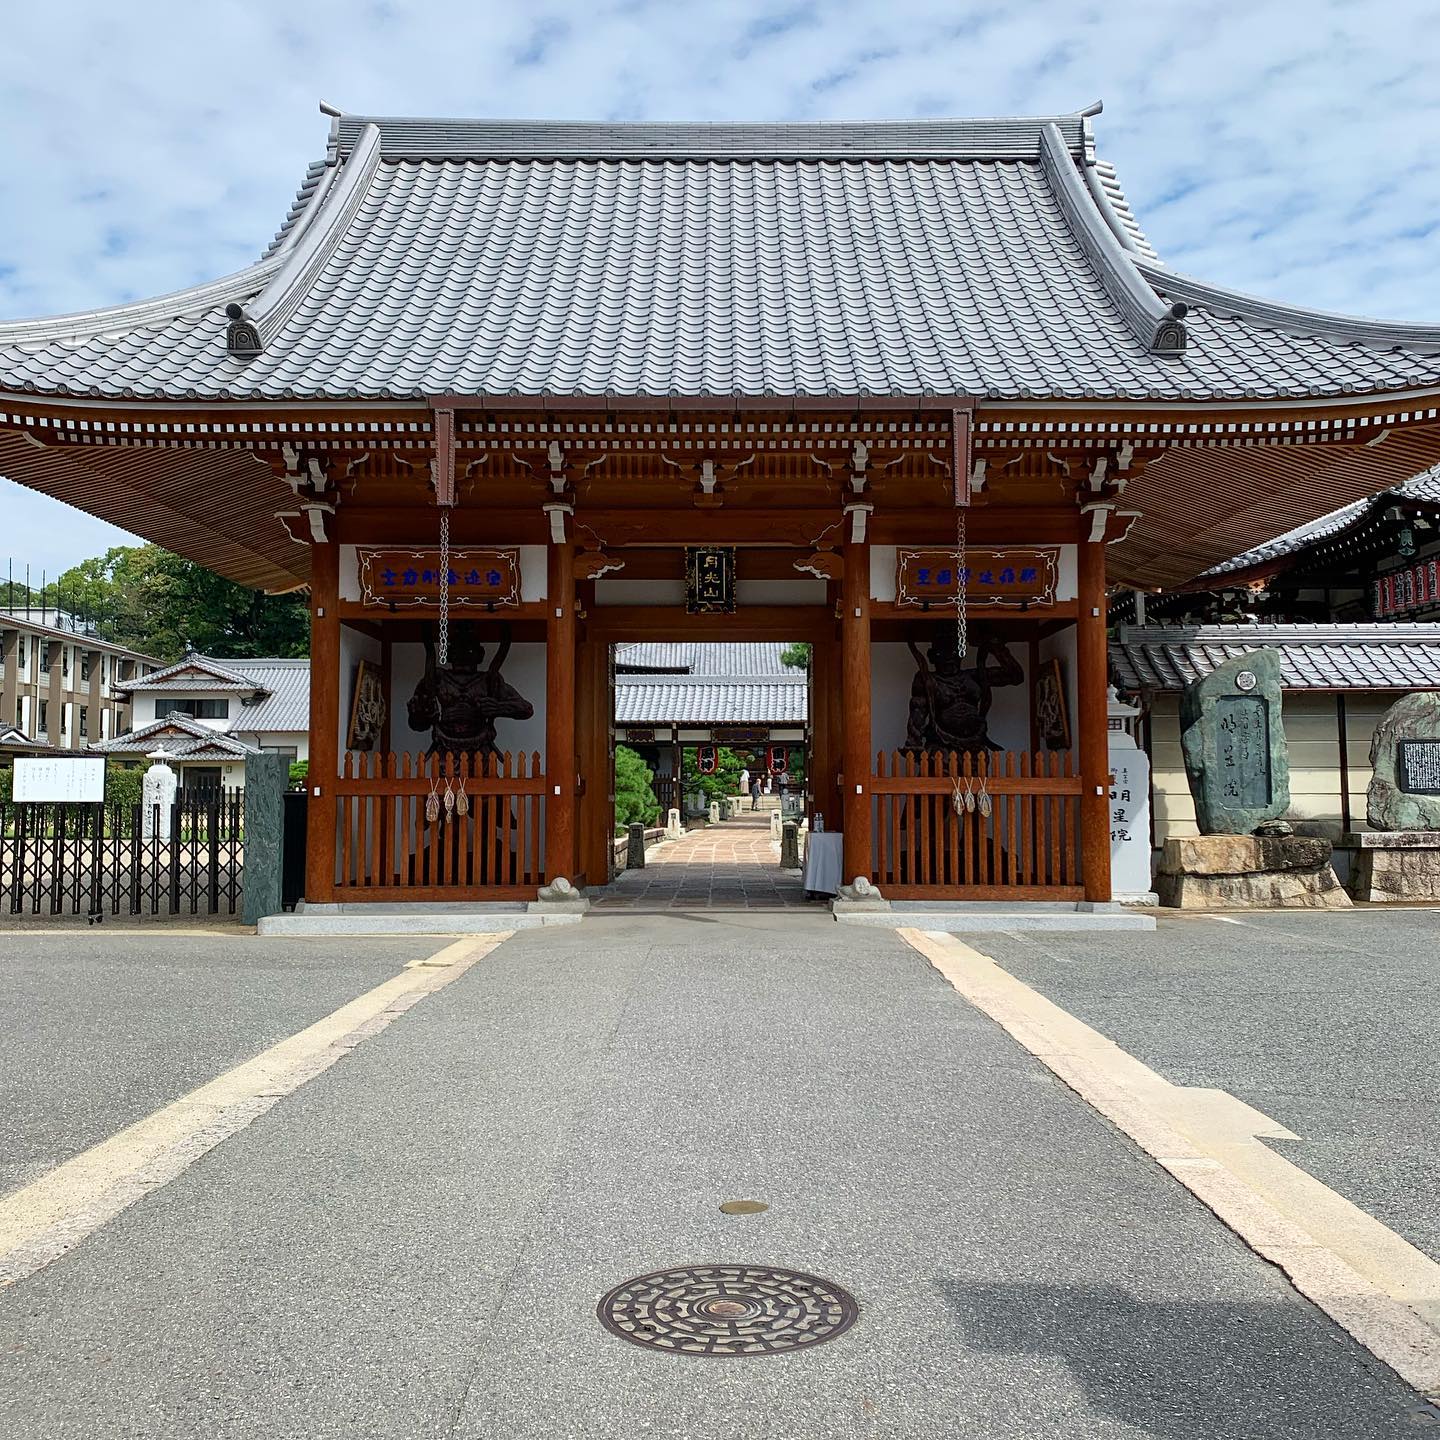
(728, 1310)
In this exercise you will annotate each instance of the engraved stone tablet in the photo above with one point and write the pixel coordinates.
(1404, 791)
(1420, 767)
(1234, 745)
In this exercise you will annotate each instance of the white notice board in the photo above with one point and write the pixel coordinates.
(71, 779)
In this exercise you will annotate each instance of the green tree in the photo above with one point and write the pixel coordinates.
(796, 656)
(635, 801)
(725, 780)
(162, 604)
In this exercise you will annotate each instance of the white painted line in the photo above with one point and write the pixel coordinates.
(53, 1214)
(1374, 1284)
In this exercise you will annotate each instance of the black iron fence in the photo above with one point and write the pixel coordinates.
(94, 860)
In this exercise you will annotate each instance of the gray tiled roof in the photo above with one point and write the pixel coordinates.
(984, 258)
(284, 704)
(1312, 657)
(755, 658)
(709, 700)
(13, 738)
(1424, 487)
(180, 737)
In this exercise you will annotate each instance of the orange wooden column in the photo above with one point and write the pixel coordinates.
(560, 856)
(1092, 685)
(324, 721)
(855, 724)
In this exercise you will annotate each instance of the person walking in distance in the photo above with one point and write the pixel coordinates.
(754, 792)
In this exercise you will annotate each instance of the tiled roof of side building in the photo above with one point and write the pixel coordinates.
(707, 700)
(990, 258)
(179, 737)
(284, 704)
(749, 658)
(1424, 487)
(1312, 657)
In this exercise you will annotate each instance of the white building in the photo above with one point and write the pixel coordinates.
(210, 715)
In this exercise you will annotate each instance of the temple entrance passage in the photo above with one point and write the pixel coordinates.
(733, 865)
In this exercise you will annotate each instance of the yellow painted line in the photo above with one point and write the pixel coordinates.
(1374, 1284)
(53, 1214)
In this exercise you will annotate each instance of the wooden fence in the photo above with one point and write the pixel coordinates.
(387, 849)
(1028, 847)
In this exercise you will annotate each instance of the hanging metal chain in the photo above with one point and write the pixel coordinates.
(442, 648)
(962, 615)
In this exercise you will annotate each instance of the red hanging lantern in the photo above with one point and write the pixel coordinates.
(779, 760)
(706, 759)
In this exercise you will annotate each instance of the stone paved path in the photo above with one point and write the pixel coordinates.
(731, 866)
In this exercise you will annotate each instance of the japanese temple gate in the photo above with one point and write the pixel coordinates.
(591, 348)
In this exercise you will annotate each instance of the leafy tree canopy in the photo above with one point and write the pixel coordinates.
(635, 801)
(158, 603)
(796, 656)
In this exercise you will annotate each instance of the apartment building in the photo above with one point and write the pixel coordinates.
(62, 686)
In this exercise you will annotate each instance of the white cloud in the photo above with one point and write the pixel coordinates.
(1287, 147)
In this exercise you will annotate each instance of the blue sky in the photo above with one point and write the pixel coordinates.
(1290, 148)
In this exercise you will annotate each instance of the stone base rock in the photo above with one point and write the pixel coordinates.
(559, 897)
(1397, 865)
(1245, 872)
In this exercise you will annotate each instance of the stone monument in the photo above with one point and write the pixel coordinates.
(674, 830)
(1398, 858)
(1233, 738)
(157, 797)
(1129, 810)
(266, 776)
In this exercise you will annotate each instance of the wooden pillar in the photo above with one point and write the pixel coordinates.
(855, 757)
(324, 721)
(560, 854)
(1092, 683)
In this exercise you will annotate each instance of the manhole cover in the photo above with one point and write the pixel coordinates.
(728, 1310)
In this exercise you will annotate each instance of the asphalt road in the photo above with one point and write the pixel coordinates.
(99, 1029)
(413, 1244)
(1326, 1022)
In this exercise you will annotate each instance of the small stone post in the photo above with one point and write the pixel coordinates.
(266, 776)
(635, 847)
(674, 830)
(790, 846)
(714, 812)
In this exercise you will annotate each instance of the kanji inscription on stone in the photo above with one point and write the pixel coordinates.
(1420, 767)
(1243, 750)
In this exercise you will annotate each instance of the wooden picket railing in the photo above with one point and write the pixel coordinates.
(386, 849)
(1027, 847)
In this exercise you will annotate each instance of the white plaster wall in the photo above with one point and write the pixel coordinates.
(349, 572)
(892, 673)
(639, 592)
(147, 705)
(524, 669)
(800, 591)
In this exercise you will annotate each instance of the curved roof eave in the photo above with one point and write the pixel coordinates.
(252, 280)
(1276, 315)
